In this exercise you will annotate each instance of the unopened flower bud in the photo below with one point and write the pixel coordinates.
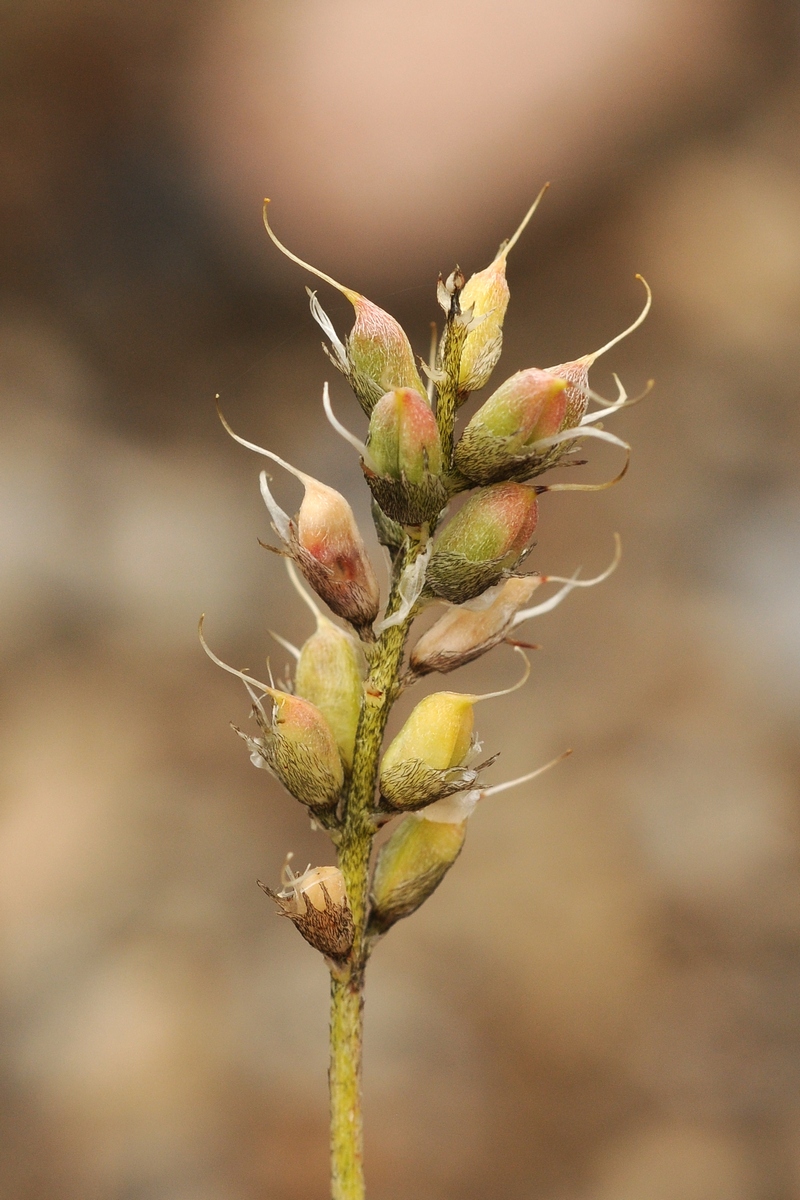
(486, 293)
(332, 556)
(425, 760)
(529, 406)
(298, 746)
(376, 355)
(467, 631)
(325, 542)
(329, 675)
(316, 901)
(484, 540)
(405, 453)
(416, 858)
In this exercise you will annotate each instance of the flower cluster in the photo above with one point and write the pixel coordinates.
(321, 735)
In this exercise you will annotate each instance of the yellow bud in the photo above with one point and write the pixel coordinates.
(425, 760)
(329, 675)
(486, 294)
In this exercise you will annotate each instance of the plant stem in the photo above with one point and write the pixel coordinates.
(347, 980)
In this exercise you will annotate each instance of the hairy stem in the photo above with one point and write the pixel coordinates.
(347, 980)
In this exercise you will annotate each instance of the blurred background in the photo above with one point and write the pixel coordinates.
(602, 1002)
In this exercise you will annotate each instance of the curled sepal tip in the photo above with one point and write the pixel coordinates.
(376, 355)
(576, 372)
(325, 542)
(423, 848)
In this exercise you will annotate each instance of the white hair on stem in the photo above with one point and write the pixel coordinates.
(410, 588)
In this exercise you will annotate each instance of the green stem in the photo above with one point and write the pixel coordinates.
(347, 980)
(347, 1140)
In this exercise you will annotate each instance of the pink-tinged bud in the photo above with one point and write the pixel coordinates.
(466, 632)
(495, 445)
(379, 354)
(325, 542)
(575, 376)
(405, 453)
(316, 901)
(484, 540)
(298, 746)
(329, 674)
(376, 355)
(486, 295)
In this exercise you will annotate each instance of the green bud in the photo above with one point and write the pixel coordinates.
(379, 354)
(329, 675)
(405, 454)
(298, 746)
(416, 858)
(376, 356)
(495, 445)
(484, 540)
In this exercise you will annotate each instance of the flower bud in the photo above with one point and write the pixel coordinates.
(316, 902)
(529, 406)
(486, 293)
(424, 761)
(379, 354)
(325, 542)
(469, 630)
(485, 539)
(405, 453)
(333, 556)
(329, 675)
(298, 746)
(416, 858)
(376, 356)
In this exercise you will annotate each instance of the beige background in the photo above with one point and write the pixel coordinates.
(601, 1003)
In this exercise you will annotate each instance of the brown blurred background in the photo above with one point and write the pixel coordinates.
(603, 1000)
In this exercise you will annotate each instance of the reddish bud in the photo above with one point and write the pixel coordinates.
(529, 406)
(484, 540)
(405, 456)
